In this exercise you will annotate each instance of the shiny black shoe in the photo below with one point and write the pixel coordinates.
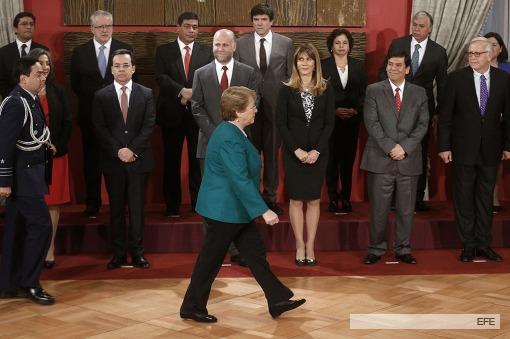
(333, 206)
(172, 213)
(467, 254)
(274, 207)
(40, 296)
(49, 264)
(300, 262)
(116, 262)
(488, 253)
(237, 259)
(310, 262)
(406, 258)
(140, 261)
(371, 259)
(277, 309)
(346, 208)
(91, 212)
(199, 317)
(421, 206)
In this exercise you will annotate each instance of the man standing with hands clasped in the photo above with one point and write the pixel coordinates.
(396, 118)
(474, 134)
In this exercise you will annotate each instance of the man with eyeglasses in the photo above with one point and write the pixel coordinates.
(91, 71)
(429, 63)
(23, 27)
(474, 135)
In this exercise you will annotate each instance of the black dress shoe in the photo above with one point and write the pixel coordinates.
(333, 206)
(116, 262)
(346, 207)
(421, 206)
(310, 262)
(300, 262)
(406, 258)
(91, 212)
(371, 259)
(172, 213)
(274, 207)
(488, 253)
(467, 254)
(496, 208)
(199, 317)
(39, 296)
(277, 309)
(140, 261)
(49, 264)
(237, 259)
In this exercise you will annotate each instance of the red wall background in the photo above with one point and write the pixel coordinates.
(385, 21)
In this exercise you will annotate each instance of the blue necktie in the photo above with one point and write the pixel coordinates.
(484, 94)
(101, 60)
(415, 59)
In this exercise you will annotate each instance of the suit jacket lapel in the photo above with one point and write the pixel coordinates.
(213, 77)
(91, 51)
(388, 93)
(252, 52)
(470, 82)
(405, 101)
(197, 49)
(178, 59)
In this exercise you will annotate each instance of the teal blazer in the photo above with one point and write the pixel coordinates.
(230, 186)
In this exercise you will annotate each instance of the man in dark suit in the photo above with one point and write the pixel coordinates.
(91, 71)
(24, 174)
(123, 119)
(474, 134)
(429, 62)
(209, 83)
(274, 67)
(396, 117)
(176, 63)
(23, 26)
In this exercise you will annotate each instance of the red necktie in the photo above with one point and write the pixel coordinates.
(187, 58)
(398, 102)
(124, 103)
(224, 79)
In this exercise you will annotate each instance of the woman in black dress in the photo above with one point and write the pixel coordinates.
(305, 119)
(348, 79)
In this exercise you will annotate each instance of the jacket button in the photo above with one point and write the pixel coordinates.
(125, 132)
(28, 166)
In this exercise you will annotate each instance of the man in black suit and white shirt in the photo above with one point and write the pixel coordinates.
(474, 134)
(176, 63)
(91, 71)
(123, 118)
(429, 63)
(275, 68)
(23, 26)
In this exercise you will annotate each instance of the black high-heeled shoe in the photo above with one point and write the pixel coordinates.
(300, 262)
(49, 264)
(310, 262)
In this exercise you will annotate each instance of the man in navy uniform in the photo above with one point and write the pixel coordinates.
(24, 170)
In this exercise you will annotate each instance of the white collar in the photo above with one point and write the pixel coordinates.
(182, 45)
(118, 86)
(97, 44)
(230, 64)
(268, 37)
(393, 86)
(422, 44)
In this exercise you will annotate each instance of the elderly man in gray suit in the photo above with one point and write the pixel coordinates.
(396, 118)
(209, 83)
(274, 67)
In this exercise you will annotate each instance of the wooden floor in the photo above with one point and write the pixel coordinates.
(149, 308)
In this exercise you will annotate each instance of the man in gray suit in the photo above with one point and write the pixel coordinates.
(209, 83)
(274, 67)
(396, 118)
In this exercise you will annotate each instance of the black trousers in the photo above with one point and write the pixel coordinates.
(91, 170)
(173, 139)
(250, 244)
(27, 235)
(265, 137)
(473, 187)
(422, 179)
(126, 189)
(343, 146)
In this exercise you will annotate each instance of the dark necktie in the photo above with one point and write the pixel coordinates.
(124, 103)
(415, 59)
(23, 50)
(398, 101)
(263, 57)
(224, 79)
(484, 94)
(187, 58)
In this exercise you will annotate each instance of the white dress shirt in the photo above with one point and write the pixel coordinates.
(28, 43)
(219, 70)
(421, 51)
(183, 51)
(118, 90)
(477, 76)
(401, 86)
(267, 46)
(344, 75)
(106, 50)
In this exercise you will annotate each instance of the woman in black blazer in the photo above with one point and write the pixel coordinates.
(59, 118)
(348, 79)
(305, 120)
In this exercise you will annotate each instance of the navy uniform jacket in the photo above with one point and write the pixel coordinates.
(23, 171)
(230, 187)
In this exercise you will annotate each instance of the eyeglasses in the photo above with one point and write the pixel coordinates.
(475, 54)
(103, 27)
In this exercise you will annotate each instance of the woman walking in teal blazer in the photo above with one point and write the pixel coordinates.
(229, 199)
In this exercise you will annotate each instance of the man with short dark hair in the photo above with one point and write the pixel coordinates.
(270, 54)
(429, 63)
(24, 179)
(176, 63)
(91, 71)
(123, 117)
(396, 118)
(23, 26)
